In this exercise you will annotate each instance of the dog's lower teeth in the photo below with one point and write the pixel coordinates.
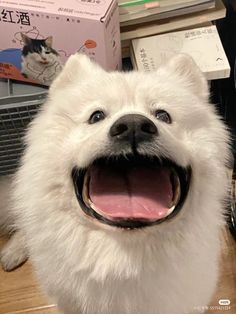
(176, 190)
(171, 210)
(85, 193)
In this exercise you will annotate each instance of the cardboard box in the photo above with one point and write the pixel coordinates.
(37, 36)
(202, 44)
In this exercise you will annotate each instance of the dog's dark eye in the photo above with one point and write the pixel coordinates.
(163, 116)
(96, 117)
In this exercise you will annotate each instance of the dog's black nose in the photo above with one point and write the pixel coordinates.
(133, 128)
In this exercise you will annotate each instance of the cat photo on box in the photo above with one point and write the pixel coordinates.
(38, 40)
(40, 61)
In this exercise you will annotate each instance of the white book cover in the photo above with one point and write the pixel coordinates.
(203, 44)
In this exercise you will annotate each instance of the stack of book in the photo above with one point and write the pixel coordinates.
(140, 11)
(172, 15)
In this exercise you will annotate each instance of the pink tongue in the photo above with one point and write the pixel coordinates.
(143, 193)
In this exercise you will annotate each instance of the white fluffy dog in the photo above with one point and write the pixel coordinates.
(121, 189)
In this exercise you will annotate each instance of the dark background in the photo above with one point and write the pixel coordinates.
(223, 91)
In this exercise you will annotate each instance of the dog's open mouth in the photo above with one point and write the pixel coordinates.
(132, 192)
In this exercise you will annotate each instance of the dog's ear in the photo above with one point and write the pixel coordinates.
(77, 68)
(185, 67)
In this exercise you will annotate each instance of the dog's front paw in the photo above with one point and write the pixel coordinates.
(14, 253)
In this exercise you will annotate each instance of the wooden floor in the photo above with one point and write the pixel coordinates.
(19, 292)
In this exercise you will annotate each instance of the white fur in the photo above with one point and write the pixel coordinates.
(88, 268)
(14, 252)
(6, 218)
